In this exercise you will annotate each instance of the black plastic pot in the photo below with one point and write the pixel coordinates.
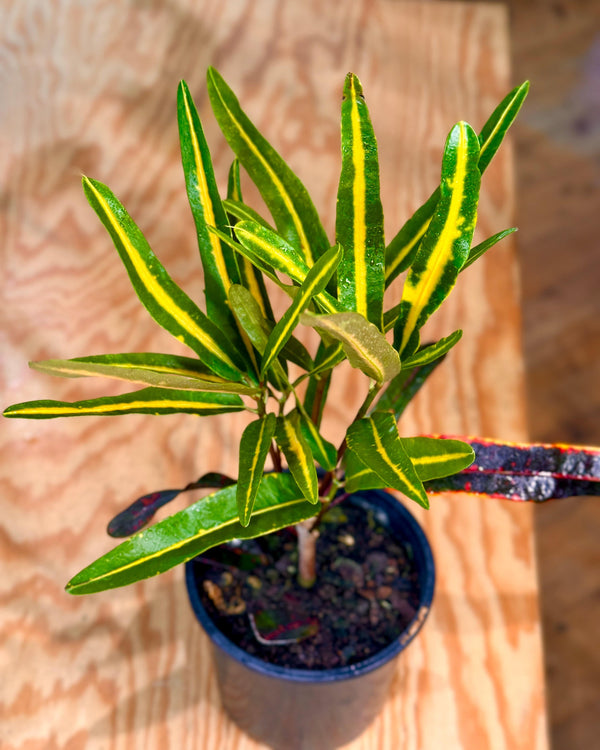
(301, 709)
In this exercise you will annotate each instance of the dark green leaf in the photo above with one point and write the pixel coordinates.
(285, 195)
(375, 439)
(445, 246)
(147, 401)
(163, 299)
(254, 449)
(298, 455)
(430, 353)
(211, 521)
(359, 216)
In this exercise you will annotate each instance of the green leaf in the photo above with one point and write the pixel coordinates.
(359, 217)
(158, 370)
(218, 259)
(234, 183)
(241, 212)
(477, 251)
(211, 521)
(298, 455)
(401, 250)
(254, 449)
(147, 401)
(358, 476)
(248, 313)
(324, 452)
(404, 387)
(314, 283)
(268, 250)
(445, 247)
(434, 458)
(430, 353)
(363, 343)
(164, 300)
(286, 197)
(375, 439)
(493, 132)
(250, 276)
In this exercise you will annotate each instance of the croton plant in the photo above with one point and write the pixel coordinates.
(243, 351)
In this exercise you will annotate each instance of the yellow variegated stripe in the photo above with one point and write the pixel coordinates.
(205, 198)
(418, 291)
(289, 204)
(436, 460)
(153, 287)
(359, 190)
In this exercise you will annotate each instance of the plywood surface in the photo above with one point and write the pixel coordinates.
(91, 88)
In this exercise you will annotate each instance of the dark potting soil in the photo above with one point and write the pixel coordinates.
(366, 594)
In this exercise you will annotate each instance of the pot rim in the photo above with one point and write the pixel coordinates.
(391, 505)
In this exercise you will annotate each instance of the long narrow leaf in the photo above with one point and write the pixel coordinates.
(432, 458)
(493, 132)
(298, 455)
(401, 250)
(163, 299)
(286, 197)
(445, 247)
(211, 521)
(314, 283)
(241, 212)
(477, 251)
(147, 401)
(363, 343)
(272, 250)
(359, 216)
(375, 439)
(432, 352)
(218, 259)
(250, 276)
(158, 370)
(254, 449)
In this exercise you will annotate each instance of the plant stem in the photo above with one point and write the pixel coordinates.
(307, 554)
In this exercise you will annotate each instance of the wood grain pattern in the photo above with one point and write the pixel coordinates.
(92, 89)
